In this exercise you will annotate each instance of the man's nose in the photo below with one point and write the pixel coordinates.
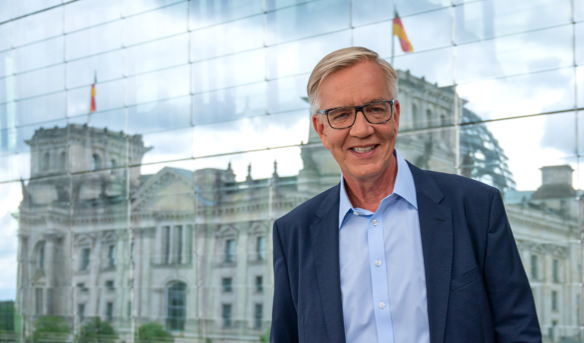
(362, 128)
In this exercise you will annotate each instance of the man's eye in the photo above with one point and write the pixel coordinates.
(376, 109)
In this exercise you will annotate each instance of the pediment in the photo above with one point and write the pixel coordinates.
(169, 189)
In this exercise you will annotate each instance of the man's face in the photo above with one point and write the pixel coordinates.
(363, 151)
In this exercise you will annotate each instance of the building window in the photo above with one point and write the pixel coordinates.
(63, 161)
(38, 299)
(46, 162)
(111, 256)
(230, 250)
(429, 118)
(261, 248)
(81, 286)
(259, 284)
(81, 312)
(129, 309)
(85, 258)
(554, 300)
(109, 285)
(176, 306)
(534, 267)
(556, 270)
(227, 284)
(226, 314)
(113, 165)
(258, 316)
(132, 252)
(42, 257)
(173, 244)
(109, 312)
(96, 162)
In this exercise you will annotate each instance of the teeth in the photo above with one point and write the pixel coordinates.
(362, 150)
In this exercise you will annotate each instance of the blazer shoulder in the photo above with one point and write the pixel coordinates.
(305, 212)
(460, 187)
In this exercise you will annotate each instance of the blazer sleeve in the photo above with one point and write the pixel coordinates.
(284, 315)
(511, 300)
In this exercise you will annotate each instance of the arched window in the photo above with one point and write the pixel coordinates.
(429, 118)
(46, 162)
(176, 306)
(63, 161)
(96, 162)
(415, 116)
(41, 256)
(113, 165)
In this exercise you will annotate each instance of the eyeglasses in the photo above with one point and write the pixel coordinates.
(344, 117)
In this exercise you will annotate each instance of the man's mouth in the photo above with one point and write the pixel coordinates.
(363, 149)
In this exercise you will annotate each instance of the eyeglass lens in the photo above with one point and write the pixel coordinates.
(374, 113)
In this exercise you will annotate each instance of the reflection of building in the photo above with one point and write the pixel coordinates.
(192, 250)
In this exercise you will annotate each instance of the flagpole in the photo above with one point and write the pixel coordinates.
(392, 34)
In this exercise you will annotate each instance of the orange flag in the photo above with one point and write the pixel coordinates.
(92, 106)
(400, 32)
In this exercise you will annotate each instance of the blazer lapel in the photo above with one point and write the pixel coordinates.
(437, 245)
(325, 248)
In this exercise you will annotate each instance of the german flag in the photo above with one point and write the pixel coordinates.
(400, 32)
(92, 106)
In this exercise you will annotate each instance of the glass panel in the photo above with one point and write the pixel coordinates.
(520, 95)
(494, 18)
(26, 133)
(517, 54)
(14, 166)
(132, 7)
(20, 8)
(168, 145)
(206, 13)
(42, 81)
(38, 27)
(288, 94)
(164, 22)
(435, 66)
(251, 133)
(433, 149)
(580, 85)
(6, 58)
(371, 11)
(6, 34)
(94, 40)
(104, 67)
(425, 31)
(41, 109)
(306, 20)
(229, 104)
(291, 58)
(578, 11)
(579, 28)
(114, 120)
(82, 14)
(237, 36)
(157, 55)
(160, 116)
(239, 69)
(39, 55)
(5, 10)
(164, 84)
(109, 95)
(522, 146)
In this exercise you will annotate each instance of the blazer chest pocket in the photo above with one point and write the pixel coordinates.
(466, 278)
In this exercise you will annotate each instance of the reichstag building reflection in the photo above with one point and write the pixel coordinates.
(146, 148)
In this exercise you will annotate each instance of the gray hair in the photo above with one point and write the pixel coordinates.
(344, 58)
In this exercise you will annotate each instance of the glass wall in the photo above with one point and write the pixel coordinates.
(147, 146)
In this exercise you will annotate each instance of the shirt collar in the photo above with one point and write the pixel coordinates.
(404, 187)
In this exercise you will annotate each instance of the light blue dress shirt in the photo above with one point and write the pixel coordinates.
(383, 282)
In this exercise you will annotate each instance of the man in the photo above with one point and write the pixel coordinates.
(393, 253)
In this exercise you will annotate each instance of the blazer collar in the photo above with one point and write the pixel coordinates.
(437, 245)
(325, 248)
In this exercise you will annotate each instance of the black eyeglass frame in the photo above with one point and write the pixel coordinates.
(357, 110)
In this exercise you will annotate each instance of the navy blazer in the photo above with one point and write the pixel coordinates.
(477, 289)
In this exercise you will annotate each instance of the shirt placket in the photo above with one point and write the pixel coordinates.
(379, 280)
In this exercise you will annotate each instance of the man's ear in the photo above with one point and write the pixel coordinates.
(396, 113)
(319, 128)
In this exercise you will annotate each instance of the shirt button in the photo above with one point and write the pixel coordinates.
(375, 222)
(378, 263)
(356, 213)
(382, 305)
